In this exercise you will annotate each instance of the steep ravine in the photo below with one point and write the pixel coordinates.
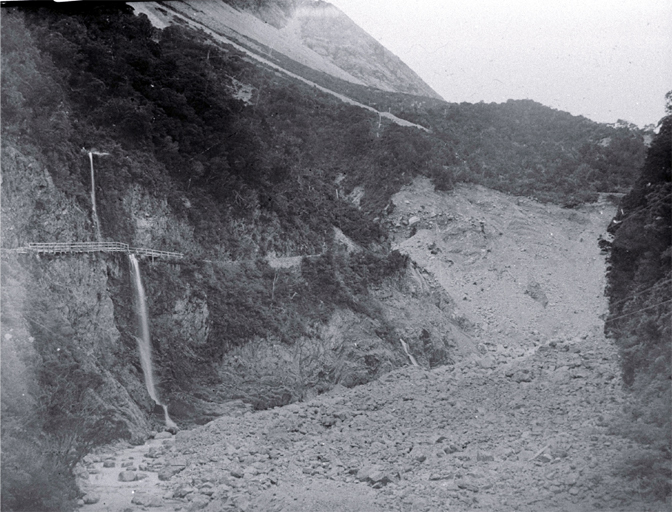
(521, 424)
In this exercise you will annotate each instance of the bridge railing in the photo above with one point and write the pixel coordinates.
(79, 247)
(53, 247)
(153, 253)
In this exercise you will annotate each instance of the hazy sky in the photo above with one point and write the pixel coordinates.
(604, 59)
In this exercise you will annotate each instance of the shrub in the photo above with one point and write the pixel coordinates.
(35, 477)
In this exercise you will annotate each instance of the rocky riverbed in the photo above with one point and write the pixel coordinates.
(531, 434)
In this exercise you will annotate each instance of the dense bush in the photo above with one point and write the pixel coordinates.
(640, 310)
(34, 477)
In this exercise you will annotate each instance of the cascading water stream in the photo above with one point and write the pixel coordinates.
(410, 356)
(144, 342)
(96, 222)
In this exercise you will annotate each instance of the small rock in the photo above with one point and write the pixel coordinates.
(166, 474)
(440, 476)
(486, 362)
(413, 220)
(109, 464)
(468, 485)
(524, 375)
(199, 502)
(451, 448)
(544, 458)
(485, 456)
(82, 473)
(571, 479)
(374, 475)
(163, 435)
(418, 455)
(183, 490)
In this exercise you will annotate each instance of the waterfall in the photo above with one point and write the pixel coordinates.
(144, 341)
(96, 222)
(410, 356)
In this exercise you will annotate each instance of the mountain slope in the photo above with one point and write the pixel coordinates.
(329, 32)
(313, 33)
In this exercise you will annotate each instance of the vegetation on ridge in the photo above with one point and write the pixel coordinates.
(640, 310)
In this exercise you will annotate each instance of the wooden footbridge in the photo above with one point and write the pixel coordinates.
(88, 247)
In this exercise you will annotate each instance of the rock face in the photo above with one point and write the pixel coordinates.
(329, 32)
(59, 311)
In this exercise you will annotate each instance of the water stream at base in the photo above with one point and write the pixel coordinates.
(144, 342)
(96, 222)
(410, 356)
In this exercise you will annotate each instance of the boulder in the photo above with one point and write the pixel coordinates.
(147, 500)
(154, 452)
(127, 476)
(91, 498)
(374, 475)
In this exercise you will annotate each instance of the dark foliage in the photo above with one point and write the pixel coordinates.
(640, 313)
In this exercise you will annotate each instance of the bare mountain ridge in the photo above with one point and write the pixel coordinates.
(315, 34)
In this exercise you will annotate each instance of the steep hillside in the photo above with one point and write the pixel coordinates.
(640, 305)
(518, 147)
(329, 32)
